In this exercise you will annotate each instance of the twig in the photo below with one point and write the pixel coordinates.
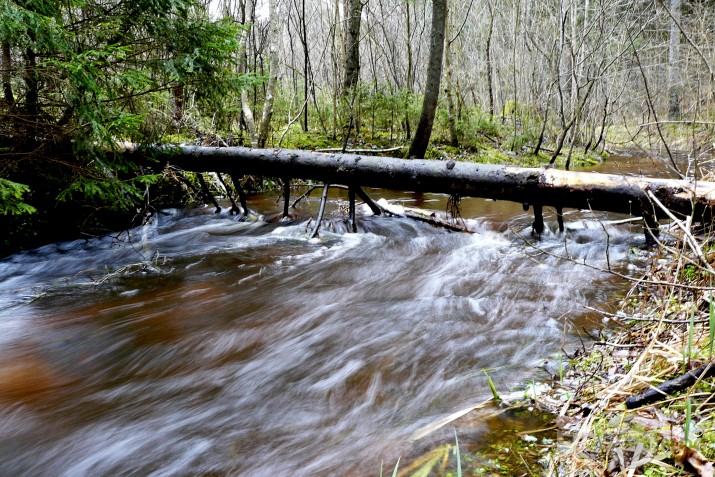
(361, 151)
(644, 319)
(689, 236)
(661, 391)
(291, 122)
(321, 211)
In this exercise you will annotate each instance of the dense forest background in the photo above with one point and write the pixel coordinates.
(520, 81)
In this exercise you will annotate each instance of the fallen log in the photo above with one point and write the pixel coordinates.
(541, 186)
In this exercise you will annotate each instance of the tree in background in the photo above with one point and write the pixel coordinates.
(434, 76)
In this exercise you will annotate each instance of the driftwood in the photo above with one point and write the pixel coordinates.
(675, 385)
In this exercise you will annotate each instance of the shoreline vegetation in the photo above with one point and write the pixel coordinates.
(627, 407)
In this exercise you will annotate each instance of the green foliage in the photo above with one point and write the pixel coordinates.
(11, 195)
(86, 76)
(495, 394)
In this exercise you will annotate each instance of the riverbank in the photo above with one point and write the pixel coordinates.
(664, 329)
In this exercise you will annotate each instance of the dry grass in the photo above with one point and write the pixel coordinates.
(667, 318)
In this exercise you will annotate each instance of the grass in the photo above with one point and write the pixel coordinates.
(711, 323)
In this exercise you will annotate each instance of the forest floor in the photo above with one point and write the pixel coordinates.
(663, 338)
(486, 149)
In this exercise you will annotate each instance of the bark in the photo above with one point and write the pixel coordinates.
(178, 102)
(7, 75)
(410, 69)
(321, 211)
(673, 60)
(545, 186)
(451, 120)
(248, 118)
(352, 45)
(234, 206)
(306, 59)
(273, 79)
(434, 76)
(490, 75)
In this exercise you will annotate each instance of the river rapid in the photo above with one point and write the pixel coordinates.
(201, 345)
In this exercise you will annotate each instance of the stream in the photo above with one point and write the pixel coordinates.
(202, 345)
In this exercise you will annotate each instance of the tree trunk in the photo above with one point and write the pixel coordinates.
(306, 58)
(6, 67)
(451, 120)
(673, 60)
(490, 74)
(410, 69)
(273, 79)
(32, 93)
(177, 93)
(248, 118)
(434, 76)
(548, 187)
(352, 45)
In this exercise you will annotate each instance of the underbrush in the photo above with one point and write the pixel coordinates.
(664, 347)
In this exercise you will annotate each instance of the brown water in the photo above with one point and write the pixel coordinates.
(248, 349)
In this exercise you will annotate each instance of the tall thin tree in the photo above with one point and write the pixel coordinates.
(673, 60)
(352, 45)
(434, 76)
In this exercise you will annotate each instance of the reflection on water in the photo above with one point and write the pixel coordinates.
(247, 349)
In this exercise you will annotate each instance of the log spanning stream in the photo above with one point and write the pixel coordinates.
(248, 349)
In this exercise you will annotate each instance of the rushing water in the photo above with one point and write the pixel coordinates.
(218, 347)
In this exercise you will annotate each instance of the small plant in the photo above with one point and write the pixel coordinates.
(688, 422)
(456, 451)
(394, 472)
(691, 331)
(711, 323)
(495, 394)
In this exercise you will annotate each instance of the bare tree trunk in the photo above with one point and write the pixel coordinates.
(32, 94)
(306, 59)
(410, 69)
(248, 119)
(275, 32)
(177, 94)
(434, 76)
(490, 74)
(451, 120)
(352, 45)
(336, 37)
(6, 66)
(673, 60)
